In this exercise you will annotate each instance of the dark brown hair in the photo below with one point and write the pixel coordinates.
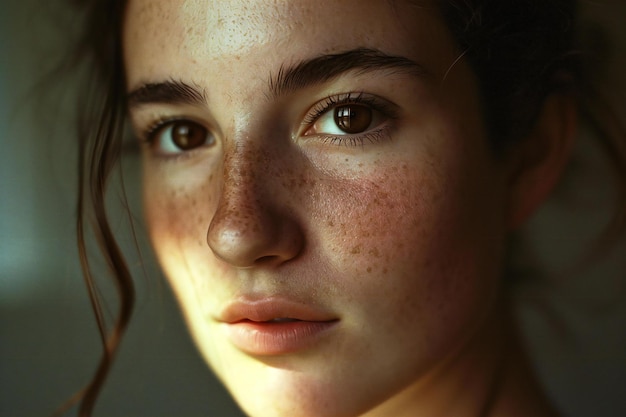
(521, 51)
(100, 128)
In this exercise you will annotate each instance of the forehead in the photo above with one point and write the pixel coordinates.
(177, 38)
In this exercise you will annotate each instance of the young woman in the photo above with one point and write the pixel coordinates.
(331, 189)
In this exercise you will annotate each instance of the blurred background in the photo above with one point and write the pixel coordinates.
(49, 345)
(574, 319)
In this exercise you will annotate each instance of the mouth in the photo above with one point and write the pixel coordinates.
(276, 326)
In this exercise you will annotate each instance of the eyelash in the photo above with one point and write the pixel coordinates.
(379, 134)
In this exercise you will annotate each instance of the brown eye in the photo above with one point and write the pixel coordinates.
(180, 136)
(187, 135)
(353, 118)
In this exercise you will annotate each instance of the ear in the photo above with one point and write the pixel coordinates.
(538, 161)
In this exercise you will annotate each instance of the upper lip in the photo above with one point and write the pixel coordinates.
(270, 308)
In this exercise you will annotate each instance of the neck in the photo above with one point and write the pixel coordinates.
(490, 377)
(520, 394)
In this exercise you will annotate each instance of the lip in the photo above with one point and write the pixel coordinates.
(275, 326)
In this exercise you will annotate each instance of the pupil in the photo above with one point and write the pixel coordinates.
(353, 118)
(181, 136)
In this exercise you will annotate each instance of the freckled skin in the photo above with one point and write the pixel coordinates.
(401, 239)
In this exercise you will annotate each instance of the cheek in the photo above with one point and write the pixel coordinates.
(175, 213)
(409, 241)
(384, 218)
(178, 212)
(365, 220)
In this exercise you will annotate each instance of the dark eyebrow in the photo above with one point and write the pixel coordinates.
(168, 92)
(326, 67)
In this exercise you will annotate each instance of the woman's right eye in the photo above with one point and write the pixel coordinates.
(179, 136)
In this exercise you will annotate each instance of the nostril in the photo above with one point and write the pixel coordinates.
(268, 260)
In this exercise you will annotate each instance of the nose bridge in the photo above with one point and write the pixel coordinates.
(245, 148)
(241, 198)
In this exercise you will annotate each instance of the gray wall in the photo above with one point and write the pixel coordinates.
(575, 319)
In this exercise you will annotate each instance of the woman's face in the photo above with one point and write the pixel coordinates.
(319, 191)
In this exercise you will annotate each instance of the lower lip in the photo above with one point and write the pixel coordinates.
(280, 338)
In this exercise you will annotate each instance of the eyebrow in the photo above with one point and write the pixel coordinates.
(167, 92)
(288, 79)
(324, 68)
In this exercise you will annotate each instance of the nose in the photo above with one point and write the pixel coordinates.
(251, 225)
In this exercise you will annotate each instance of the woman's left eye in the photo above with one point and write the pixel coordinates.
(352, 119)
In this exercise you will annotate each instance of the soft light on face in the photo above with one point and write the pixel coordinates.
(364, 196)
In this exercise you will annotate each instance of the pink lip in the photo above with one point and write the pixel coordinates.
(253, 325)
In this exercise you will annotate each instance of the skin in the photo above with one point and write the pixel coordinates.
(401, 238)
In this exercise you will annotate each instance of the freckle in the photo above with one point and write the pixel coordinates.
(331, 223)
(385, 271)
(369, 269)
(355, 250)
